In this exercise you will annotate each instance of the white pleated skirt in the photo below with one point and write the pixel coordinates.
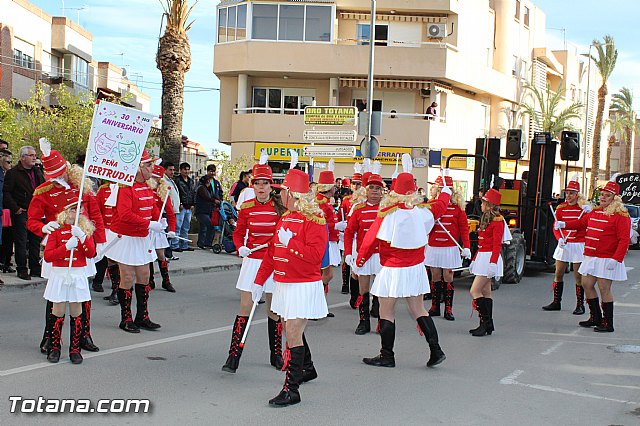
(597, 267)
(401, 282)
(371, 266)
(299, 300)
(159, 240)
(248, 274)
(480, 264)
(134, 251)
(442, 257)
(334, 254)
(67, 285)
(571, 253)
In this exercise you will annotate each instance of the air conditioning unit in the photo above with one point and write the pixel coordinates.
(437, 30)
(425, 93)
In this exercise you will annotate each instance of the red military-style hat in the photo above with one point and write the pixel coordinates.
(146, 157)
(375, 179)
(573, 184)
(493, 196)
(326, 178)
(405, 184)
(612, 187)
(296, 181)
(158, 171)
(261, 172)
(365, 178)
(448, 180)
(346, 181)
(54, 164)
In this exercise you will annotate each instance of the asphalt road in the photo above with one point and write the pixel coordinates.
(537, 368)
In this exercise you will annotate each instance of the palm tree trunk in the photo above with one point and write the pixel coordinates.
(627, 149)
(611, 141)
(172, 112)
(597, 134)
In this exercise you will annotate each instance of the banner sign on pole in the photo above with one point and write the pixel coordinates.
(329, 151)
(329, 135)
(330, 116)
(116, 141)
(629, 187)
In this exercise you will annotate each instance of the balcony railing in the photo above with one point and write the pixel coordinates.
(296, 111)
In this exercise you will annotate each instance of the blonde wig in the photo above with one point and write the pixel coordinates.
(393, 198)
(616, 206)
(83, 222)
(75, 173)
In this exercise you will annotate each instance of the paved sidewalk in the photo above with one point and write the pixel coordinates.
(190, 262)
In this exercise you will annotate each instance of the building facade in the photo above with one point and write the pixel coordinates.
(472, 58)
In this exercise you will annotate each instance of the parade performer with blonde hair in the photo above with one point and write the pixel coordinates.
(570, 249)
(608, 229)
(294, 258)
(400, 233)
(68, 285)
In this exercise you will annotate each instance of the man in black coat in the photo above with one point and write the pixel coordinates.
(19, 183)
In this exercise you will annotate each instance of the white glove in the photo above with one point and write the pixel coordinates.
(587, 208)
(284, 236)
(446, 190)
(244, 251)
(341, 226)
(77, 232)
(72, 243)
(164, 223)
(156, 226)
(466, 253)
(492, 270)
(562, 243)
(348, 259)
(560, 225)
(50, 227)
(256, 292)
(612, 264)
(171, 234)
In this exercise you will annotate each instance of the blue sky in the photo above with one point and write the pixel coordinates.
(132, 27)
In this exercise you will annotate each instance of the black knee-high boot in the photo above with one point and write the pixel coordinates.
(86, 342)
(49, 319)
(142, 308)
(75, 336)
(595, 314)
(375, 307)
(579, 310)
(346, 273)
(387, 338)
(53, 353)
(556, 305)
(435, 299)
(290, 393)
(308, 368)
(235, 351)
(364, 326)
(428, 328)
(354, 289)
(607, 322)
(114, 276)
(101, 269)
(126, 320)
(448, 302)
(152, 280)
(275, 342)
(164, 272)
(482, 306)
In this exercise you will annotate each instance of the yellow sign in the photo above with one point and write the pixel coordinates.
(329, 116)
(507, 166)
(456, 162)
(280, 152)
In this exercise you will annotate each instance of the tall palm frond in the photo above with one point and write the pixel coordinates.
(545, 110)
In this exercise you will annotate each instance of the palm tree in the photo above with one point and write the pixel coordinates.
(545, 110)
(617, 127)
(607, 55)
(622, 106)
(173, 60)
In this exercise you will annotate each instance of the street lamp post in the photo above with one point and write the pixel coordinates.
(372, 36)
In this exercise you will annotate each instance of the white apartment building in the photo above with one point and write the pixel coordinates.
(472, 58)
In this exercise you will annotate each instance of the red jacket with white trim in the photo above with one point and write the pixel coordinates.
(135, 208)
(168, 211)
(329, 215)
(566, 212)
(301, 259)
(56, 253)
(345, 208)
(259, 220)
(456, 222)
(49, 199)
(490, 238)
(393, 256)
(607, 236)
(107, 211)
(363, 216)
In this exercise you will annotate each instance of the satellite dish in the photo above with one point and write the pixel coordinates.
(124, 72)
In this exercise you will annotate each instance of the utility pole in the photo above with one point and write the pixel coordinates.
(372, 37)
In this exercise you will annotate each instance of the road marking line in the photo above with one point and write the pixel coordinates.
(598, 337)
(616, 386)
(40, 365)
(626, 294)
(627, 305)
(552, 348)
(574, 341)
(511, 380)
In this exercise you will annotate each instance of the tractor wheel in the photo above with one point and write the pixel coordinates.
(513, 258)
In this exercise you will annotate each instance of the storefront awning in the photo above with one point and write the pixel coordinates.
(361, 83)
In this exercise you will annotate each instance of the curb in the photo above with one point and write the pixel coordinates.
(36, 283)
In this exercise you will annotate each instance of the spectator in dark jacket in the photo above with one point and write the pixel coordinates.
(206, 202)
(19, 184)
(7, 237)
(187, 191)
(242, 183)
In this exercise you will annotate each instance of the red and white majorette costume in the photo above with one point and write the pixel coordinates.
(50, 199)
(607, 237)
(160, 241)
(490, 242)
(349, 283)
(255, 229)
(400, 231)
(606, 244)
(327, 178)
(572, 250)
(67, 284)
(107, 217)
(294, 257)
(345, 204)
